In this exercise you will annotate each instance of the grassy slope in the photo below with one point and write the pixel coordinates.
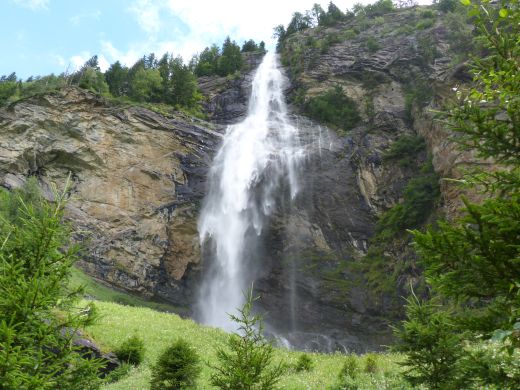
(157, 329)
(101, 292)
(123, 315)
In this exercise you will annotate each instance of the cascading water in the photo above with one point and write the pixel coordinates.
(257, 156)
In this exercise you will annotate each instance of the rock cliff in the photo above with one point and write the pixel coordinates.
(137, 181)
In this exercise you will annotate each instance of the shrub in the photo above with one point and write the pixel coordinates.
(118, 374)
(304, 363)
(419, 196)
(447, 5)
(247, 362)
(335, 108)
(370, 364)
(350, 368)
(405, 150)
(177, 368)
(424, 24)
(347, 378)
(372, 45)
(131, 351)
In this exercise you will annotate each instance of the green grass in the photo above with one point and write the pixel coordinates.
(158, 330)
(123, 315)
(101, 292)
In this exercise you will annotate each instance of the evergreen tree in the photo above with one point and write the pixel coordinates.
(231, 59)
(247, 362)
(473, 263)
(116, 78)
(183, 84)
(207, 61)
(39, 315)
(249, 46)
(299, 22)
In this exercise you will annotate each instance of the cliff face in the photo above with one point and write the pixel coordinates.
(396, 73)
(137, 181)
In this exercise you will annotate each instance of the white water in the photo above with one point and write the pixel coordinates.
(256, 157)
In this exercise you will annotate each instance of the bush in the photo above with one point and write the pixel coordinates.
(304, 363)
(118, 374)
(347, 377)
(335, 108)
(424, 24)
(420, 195)
(247, 362)
(350, 367)
(177, 368)
(370, 364)
(131, 351)
(405, 150)
(447, 5)
(372, 45)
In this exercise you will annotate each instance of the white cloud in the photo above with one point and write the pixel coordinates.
(76, 19)
(208, 22)
(33, 4)
(147, 15)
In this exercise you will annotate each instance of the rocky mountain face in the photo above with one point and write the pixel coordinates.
(138, 177)
(397, 68)
(137, 182)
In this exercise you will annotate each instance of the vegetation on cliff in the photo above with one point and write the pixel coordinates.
(151, 79)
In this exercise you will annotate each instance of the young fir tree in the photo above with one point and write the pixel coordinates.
(247, 362)
(39, 315)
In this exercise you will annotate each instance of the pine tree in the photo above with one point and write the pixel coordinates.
(39, 315)
(473, 263)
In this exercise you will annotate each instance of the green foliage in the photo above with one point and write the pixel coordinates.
(424, 24)
(348, 375)
(177, 368)
(7, 90)
(39, 316)
(418, 94)
(334, 108)
(304, 363)
(250, 46)
(405, 150)
(419, 198)
(93, 80)
(207, 61)
(431, 344)
(379, 8)
(119, 373)
(350, 367)
(372, 44)
(145, 84)
(231, 59)
(447, 5)
(131, 351)
(247, 361)
(371, 366)
(117, 79)
(427, 49)
(472, 263)
(460, 33)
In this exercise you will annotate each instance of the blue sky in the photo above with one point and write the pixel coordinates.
(50, 36)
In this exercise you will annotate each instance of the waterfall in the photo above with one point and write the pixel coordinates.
(257, 157)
